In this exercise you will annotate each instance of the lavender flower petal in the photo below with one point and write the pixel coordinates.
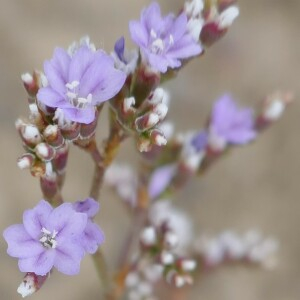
(35, 219)
(39, 264)
(52, 98)
(81, 61)
(232, 124)
(20, 243)
(68, 257)
(92, 237)
(85, 116)
(160, 180)
(66, 222)
(88, 206)
(120, 48)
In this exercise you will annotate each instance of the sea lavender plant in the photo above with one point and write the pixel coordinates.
(65, 103)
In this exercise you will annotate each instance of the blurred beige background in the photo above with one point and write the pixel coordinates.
(256, 187)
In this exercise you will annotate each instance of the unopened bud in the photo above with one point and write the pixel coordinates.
(166, 258)
(146, 122)
(158, 96)
(227, 17)
(128, 105)
(174, 278)
(132, 279)
(44, 151)
(29, 133)
(88, 130)
(210, 33)
(144, 145)
(53, 136)
(158, 138)
(148, 236)
(71, 132)
(188, 265)
(30, 83)
(171, 239)
(38, 169)
(193, 8)
(194, 27)
(161, 110)
(31, 284)
(25, 161)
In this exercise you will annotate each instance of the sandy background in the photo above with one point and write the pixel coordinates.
(255, 187)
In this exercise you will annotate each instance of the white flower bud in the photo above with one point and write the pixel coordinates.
(44, 151)
(194, 8)
(274, 110)
(171, 239)
(188, 265)
(132, 280)
(128, 104)
(179, 281)
(167, 258)
(227, 17)
(25, 161)
(148, 236)
(144, 289)
(27, 78)
(27, 287)
(167, 128)
(161, 110)
(194, 27)
(159, 96)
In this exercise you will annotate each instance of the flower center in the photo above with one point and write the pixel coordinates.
(48, 239)
(159, 45)
(73, 97)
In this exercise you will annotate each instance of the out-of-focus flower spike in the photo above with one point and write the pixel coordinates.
(273, 109)
(44, 151)
(53, 136)
(187, 265)
(31, 284)
(26, 161)
(166, 258)
(148, 237)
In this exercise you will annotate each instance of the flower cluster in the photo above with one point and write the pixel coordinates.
(54, 237)
(164, 41)
(65, 103)
(250, 247)
(78, 81)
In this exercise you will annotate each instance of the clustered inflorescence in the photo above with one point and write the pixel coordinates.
(65, 103)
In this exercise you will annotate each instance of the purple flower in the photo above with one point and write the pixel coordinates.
(92, 235)
(199, 141)
(47, 238)
(164, 41)
(160, 180)
(78, 81)
(125, 61)
(230, 124)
